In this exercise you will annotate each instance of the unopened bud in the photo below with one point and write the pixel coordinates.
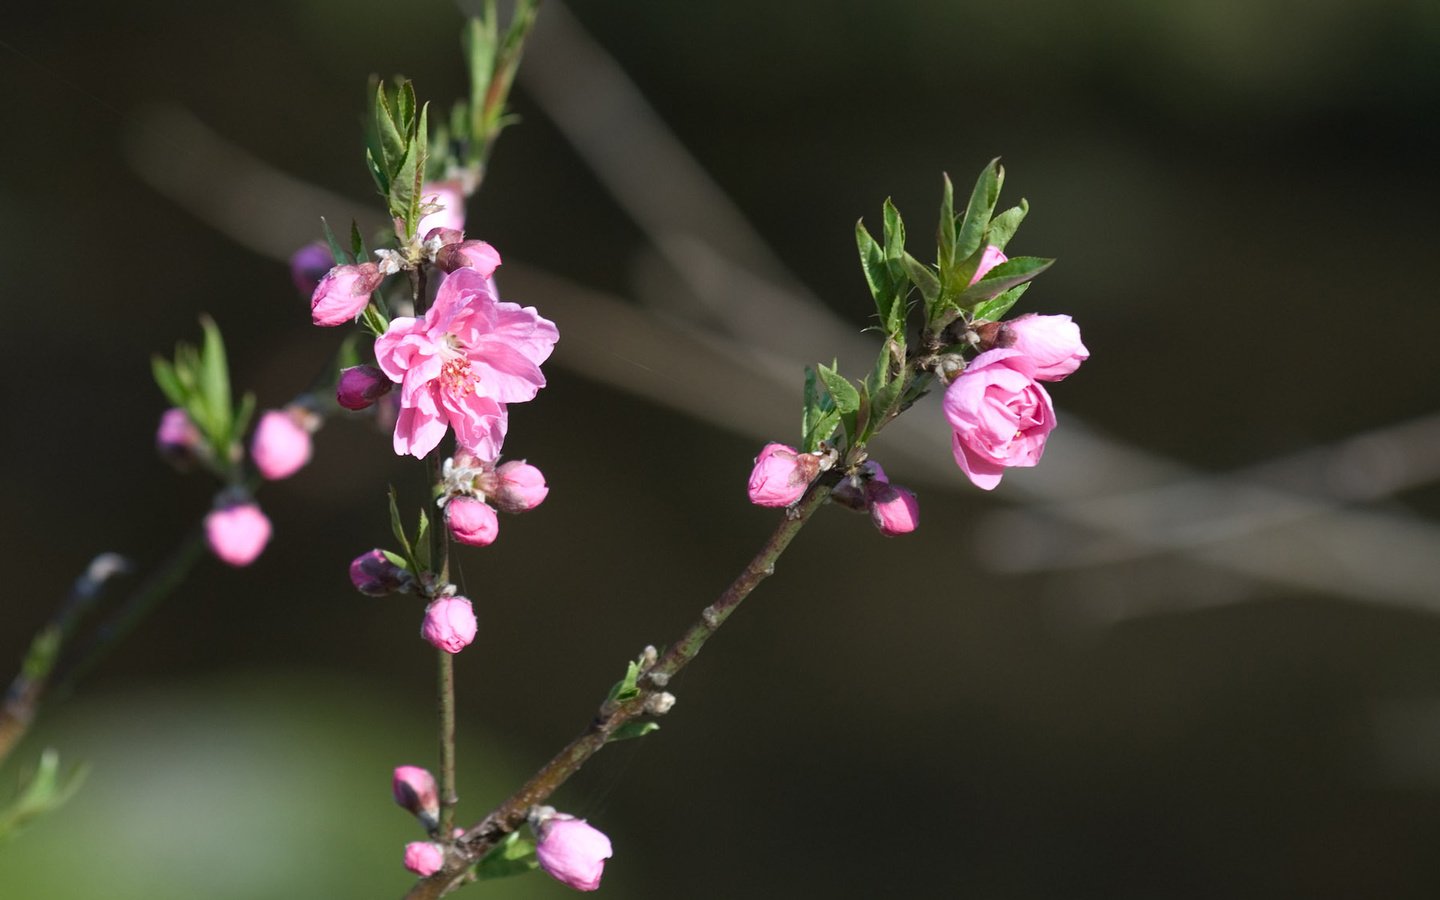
(237, 533)
(424, 858)
(570, 850)
(308, 265)
(361, 386)
(281, 445)
(477, 255)
(374, 574)
(449, 624)
(894, 510)
(177, 439)
(415, 790)
(518, 486)
(659, 704)
(781, 475)
(343, 293)
(471, 521)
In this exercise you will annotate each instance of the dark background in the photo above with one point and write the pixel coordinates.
(1241, 196)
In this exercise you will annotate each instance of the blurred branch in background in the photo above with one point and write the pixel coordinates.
(734, 354)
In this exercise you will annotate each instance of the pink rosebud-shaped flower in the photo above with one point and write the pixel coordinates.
(177, 439)
(472, 521)
(991, 258)
(343, 293)
(415, 790)
(374, 574)
(1052, 344)
(572, 851)
(361, 386)
(476, 255)
(781, 475)
(424, 858)
(449, 624)
(237, 533)
(451, 214)
(517, 486)
(308, 265)
(894, 510)
(281, 445)
(458, 366)
(1000, 414)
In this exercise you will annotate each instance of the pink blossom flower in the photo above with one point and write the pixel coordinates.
(415, 790)
(781, 475)
(991, 258)
(361, 386)
(177, 439)
(237, 533)
(1052, 344)
(308, 265)
(424, 858)
(893, 509)
(517, 486)
(458, 366)
(445, 194)
(572, 851)
(449, 624)
(343, 293)
(281, 445)
(472, 521)
(374, 574)
(1000, 415)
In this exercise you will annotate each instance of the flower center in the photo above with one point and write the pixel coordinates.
(455, 373)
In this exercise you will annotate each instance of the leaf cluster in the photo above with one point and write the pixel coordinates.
(198, 382)
(397, 150)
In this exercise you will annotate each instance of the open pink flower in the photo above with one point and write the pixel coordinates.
(460, 365)
(1000, 414)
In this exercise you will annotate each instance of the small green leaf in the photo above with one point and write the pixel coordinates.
(820, 417)
(377, 174)
(923, 277)
(1015, 271)
(357, 243)
(633, 729)
(945, 239)
(404, 198)
(215, 387)
(374, 320)
(397, 560)
(242, 417)
(392, 140)
(894, 231)
(627, 688)
(512, 856)
(994, 310)
(398, 530)
(168, 382)
(979, 209)
(337, 252)
(44, 791)
(846, 397)
(422, 542)
(405, 109)
(1004, 226)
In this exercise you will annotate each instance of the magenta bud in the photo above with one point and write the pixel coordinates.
(177, 439)
(360, 386)
(374, 574)
(343, 293)
(476, 255)
(571, 851)
(449, 624)
(424, 858)
(781, 475)
(237, 533)
(308, 265)
(281, 445)
(415, 790)
(894, 510)
(471, 521)
(518, 486)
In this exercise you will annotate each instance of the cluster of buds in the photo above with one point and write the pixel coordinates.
(474, 488)
(892, 508)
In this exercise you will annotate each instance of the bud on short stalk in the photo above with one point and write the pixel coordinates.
(569, 850)
(372, 573)
(415, 791)
(781, 475)
(360, 386)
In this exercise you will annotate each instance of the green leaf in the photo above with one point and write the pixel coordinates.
(404, 198)
(397, 560)
(1017, 270)
(894, 232)
(168, 382)
(398, 530)
(945, 239)
(44, 791)
(1004, 226)
(377, 174)
(887, 285)
(820, 416)
(392, 140)
(242, 417)
(994, 310)
(882, 406)
(512, 856)
(979, 209)
(405, 109)
(422, 542)
(923, 277)
(337, 252)
(633, 729)
(374, 320)
(846, 397)
(215, 387)
(357, 242)
(627, 688)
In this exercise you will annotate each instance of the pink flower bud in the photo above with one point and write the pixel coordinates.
(471, 521)
(449, 624)
(415, 790)
(894, 510)
(781, 475)
(374, 574)
(518, 486)
(451, 214)
(177, 439)
(1052, 344)
(476, 255)
(237, 533)
(308, 265)
(424, 858)
(343, 293)
(991, 258)
(360, 386)
(572, 851)
(281, 446)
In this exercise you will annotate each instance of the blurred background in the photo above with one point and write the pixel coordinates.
(1195, 654)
